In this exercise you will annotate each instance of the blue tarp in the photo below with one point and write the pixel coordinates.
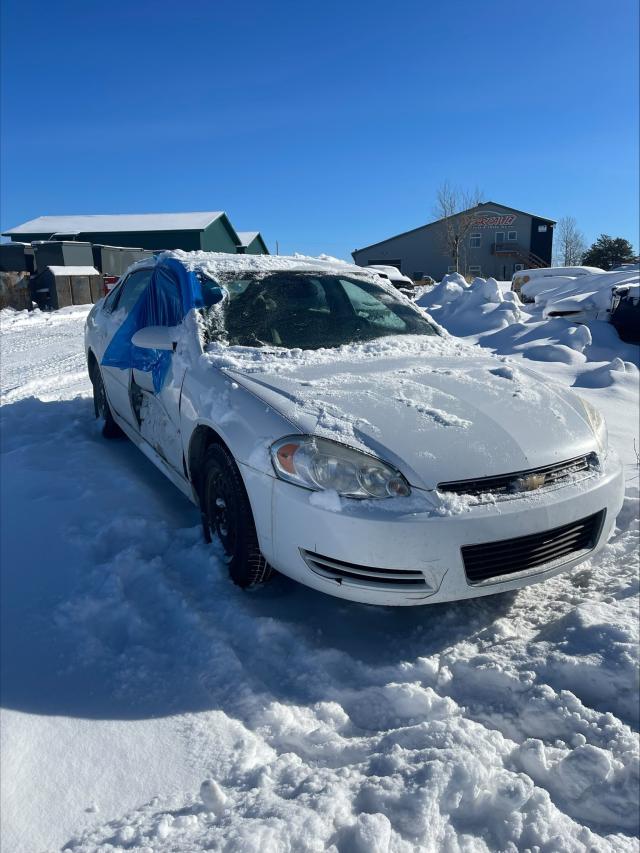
(171, 294)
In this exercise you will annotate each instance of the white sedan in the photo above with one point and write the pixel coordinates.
(328, 429)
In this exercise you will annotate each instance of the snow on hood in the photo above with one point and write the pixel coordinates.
(431, 406)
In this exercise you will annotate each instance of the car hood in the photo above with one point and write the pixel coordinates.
(437, 421)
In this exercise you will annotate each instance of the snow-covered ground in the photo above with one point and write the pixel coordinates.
(133, 671)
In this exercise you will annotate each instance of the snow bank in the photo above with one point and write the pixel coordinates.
(485, 313)
(464, 309)
(616, 371)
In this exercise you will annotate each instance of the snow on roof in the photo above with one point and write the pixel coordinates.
(247, 237)
(73, 270)
(551, 272)
(219, 263)
(117, 222)
(392, 273)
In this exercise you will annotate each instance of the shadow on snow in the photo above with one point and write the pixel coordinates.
(114, 608)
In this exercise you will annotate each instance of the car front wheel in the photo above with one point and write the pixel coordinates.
(227, 513)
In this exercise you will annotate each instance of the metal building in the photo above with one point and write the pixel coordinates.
(497, 241)
(211, 231)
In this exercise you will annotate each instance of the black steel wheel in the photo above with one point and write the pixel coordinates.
(101, 408)
(227, 514)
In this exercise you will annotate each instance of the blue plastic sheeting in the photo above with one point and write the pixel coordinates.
(172, 292)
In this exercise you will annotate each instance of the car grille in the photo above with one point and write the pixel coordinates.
(337, 570)
(523, 481)
(537, 551)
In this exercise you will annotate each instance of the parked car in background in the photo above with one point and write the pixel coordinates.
(583, 298)
(324, 428)
(527, 283)
(393, 274)
(632, 265)
(625, 312)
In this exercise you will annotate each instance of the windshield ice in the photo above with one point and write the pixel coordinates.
(299, 310)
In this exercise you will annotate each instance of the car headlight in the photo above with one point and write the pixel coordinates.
(598, 425)
(319, 463)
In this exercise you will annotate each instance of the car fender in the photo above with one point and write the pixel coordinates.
(244, 422)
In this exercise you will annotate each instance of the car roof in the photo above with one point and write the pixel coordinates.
(220, 263)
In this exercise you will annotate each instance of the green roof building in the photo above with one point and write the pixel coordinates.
(209, 231)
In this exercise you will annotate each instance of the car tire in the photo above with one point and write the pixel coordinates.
(227, 513)
(101, 408)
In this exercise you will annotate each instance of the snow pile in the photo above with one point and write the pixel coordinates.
(150, 705)
(616, 371)
(483, 312)
(464, 308)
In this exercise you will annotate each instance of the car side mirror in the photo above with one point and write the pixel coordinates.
(156, 337)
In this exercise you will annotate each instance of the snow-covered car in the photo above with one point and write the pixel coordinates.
(625, 311)
(585, 298)
(328, 429)
(393, 274)
(528, 283)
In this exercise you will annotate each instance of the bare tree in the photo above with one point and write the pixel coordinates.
(456, 208)
(570, 243)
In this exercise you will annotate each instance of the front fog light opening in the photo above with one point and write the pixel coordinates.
(322, 464)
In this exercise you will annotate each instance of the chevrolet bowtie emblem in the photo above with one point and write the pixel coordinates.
(529, 483)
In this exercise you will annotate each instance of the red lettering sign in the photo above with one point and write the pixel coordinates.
(493, 220)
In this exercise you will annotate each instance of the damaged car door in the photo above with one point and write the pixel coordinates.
(113, 334)
(157, 371)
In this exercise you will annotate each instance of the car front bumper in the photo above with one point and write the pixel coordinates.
(414, 535)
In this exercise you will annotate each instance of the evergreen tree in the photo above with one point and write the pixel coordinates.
(608, 252)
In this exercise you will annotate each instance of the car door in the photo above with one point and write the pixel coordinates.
(157, 376)
(115, 364)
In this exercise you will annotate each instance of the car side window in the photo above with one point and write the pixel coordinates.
(131, 289)
(371, 307)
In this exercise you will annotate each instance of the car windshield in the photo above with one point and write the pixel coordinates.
(299, 310)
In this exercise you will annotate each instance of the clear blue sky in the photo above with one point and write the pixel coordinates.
(325, 125)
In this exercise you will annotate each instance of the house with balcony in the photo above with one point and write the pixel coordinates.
(494, 240)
